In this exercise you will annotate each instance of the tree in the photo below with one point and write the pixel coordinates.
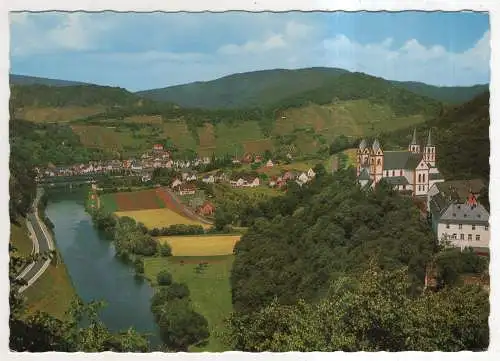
(371, 311)
(180, 326)
(164, 250)
(164, 278)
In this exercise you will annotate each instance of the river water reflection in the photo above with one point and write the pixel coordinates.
(95, 271)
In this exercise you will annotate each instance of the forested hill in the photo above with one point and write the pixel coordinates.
(253, 89)
(445, 94)
(461, 136)
(268, 87)
(35, 80)
(74, 95)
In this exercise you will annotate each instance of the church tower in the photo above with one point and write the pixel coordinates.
(363, 158)
(430, 151)
(376, 162)
(414, 147)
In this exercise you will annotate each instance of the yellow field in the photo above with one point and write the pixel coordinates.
(159, 218)
(216, 245)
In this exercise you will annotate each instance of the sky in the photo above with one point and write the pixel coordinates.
(139, 51)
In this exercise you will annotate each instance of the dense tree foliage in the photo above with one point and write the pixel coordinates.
(44, 143)
(268, 87)
(452, 263)
(461, 136)
(77, 95)
(180, 326)
(371, 311)
(314, 234)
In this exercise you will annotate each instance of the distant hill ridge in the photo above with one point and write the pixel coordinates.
(267, 87)
(15, 79)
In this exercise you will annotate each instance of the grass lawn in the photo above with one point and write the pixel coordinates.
(19, 238)
(210, 290)
(52, 292)
(211, 245)
(159, 218)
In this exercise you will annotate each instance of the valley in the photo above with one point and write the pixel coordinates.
(225, 207)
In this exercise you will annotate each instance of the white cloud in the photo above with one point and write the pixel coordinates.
(66, 32)
(412, 61)
(274, 41)
(253, 42)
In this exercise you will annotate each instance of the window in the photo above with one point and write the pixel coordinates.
(393, 173)
(473, 227)
(423, 178)
(485, 228)
(478, 237)
(419, 178)
(404, 187)
(378, 161)
(469, 237)
(400, 172)
(462, 236)
(387, 173)
(459, 226)
(447, 225)
(454, 236)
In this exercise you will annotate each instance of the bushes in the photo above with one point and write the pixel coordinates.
(164, 278)
(180, 326)
(164, 250)
(177, 230)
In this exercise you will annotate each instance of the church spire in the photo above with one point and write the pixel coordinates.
(414, 140)
(429, 140)
(414, 147)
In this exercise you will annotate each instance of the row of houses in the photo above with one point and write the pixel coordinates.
(157, 158)
(300, 178)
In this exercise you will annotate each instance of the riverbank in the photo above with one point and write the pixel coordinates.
(53, 292)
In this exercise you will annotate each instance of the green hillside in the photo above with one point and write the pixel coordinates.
(113, 120)
(461, 136)
(268, 87)
(16, 79)
(44, 103)
(253, 89)
(451, 95)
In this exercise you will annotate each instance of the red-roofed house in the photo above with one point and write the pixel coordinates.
(207, 209)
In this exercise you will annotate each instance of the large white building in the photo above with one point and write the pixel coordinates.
(413, 170)
(457, 216)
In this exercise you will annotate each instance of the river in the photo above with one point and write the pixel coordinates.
(95, 271)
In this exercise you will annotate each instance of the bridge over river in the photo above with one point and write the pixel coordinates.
(74, 180)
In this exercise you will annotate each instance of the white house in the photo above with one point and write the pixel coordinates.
(240, 182)
(176, 183)
(269, 164)
(462, 222)
(252, 182)
(311, 174)
(302, 178)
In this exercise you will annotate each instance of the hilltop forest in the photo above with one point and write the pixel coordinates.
(297, 112)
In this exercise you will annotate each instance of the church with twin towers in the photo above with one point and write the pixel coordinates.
(412, 171)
